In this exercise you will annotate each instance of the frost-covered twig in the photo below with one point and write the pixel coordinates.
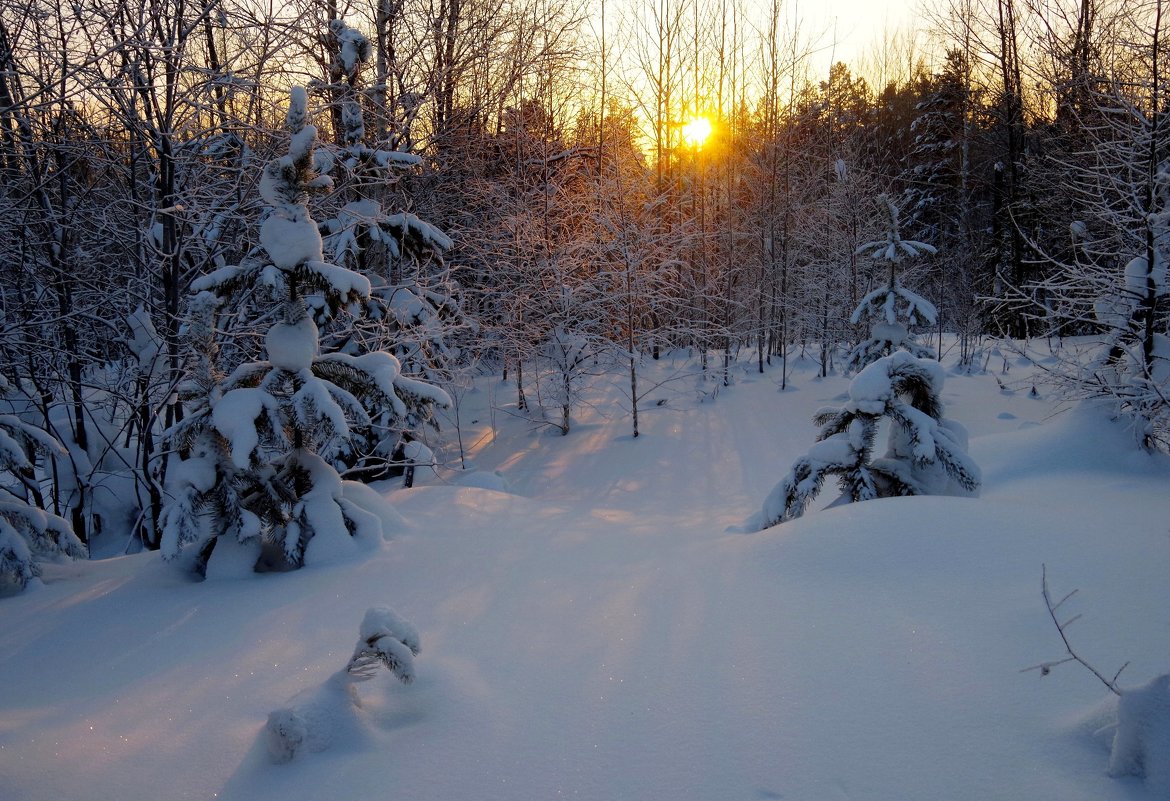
(1046, 667)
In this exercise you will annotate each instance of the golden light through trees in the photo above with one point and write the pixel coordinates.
(696, 131)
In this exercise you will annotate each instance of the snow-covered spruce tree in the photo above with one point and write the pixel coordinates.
(28, 534)
(414, 307)
(892, 310)
(262, 442)
(414, 304)
(926, 454)
(315, 718)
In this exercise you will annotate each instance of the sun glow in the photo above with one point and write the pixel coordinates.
(697, 131)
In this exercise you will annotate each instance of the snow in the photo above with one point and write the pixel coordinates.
(216, 277)
(232, 558)
(298, 110)
(292, 346)
(234, 416)
(290, 240)
(837, 449)
(894, 333)
(144, 342)
(354, 47)
(195, 471)
(321, 510)
(1141, 744)
(344, 282)
(595, 632)
(316, 404)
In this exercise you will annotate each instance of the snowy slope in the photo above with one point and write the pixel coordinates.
(595, 631)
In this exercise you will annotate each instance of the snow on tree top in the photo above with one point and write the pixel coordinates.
(381, 621)
(1137, 273)
(298, 109)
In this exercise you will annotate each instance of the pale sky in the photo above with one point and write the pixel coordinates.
(839, 30)
(852, 28)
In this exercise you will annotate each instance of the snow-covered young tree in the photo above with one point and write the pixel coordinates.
(926, 453)
(28, 534)
(892, 310)
(261, 441)
(414, 303)
(414, 308)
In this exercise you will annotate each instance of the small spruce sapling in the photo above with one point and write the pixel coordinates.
(926, 453)
(893, 310)
(29, 535)
(314, 719)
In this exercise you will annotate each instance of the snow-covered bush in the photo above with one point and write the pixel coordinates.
(316, 719)
(262, 440)
(1132, 367)
(28, 534)
(926, 453)
(893, 310)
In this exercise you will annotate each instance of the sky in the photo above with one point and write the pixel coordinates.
(851, 29)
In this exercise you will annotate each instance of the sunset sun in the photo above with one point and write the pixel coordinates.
(697, 131)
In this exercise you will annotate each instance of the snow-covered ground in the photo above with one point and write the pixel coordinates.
(592, 627)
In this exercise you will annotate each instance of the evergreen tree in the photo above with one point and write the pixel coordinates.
(414, 307)
(892, 309)
(262, 439)
(925, 454)
(28, 533)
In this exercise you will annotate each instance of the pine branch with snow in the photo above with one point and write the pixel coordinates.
(384, 639)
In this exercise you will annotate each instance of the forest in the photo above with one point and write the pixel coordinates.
(544, 191)
(505, 320)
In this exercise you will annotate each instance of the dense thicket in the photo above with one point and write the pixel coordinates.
(1028, 147)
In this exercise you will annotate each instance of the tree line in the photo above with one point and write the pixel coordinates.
(513, 180)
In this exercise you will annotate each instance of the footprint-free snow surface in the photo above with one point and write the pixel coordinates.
(593, 628)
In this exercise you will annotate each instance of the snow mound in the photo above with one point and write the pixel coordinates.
(316, 720)
(481, 480)
(330, 714)
(1141, 745)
